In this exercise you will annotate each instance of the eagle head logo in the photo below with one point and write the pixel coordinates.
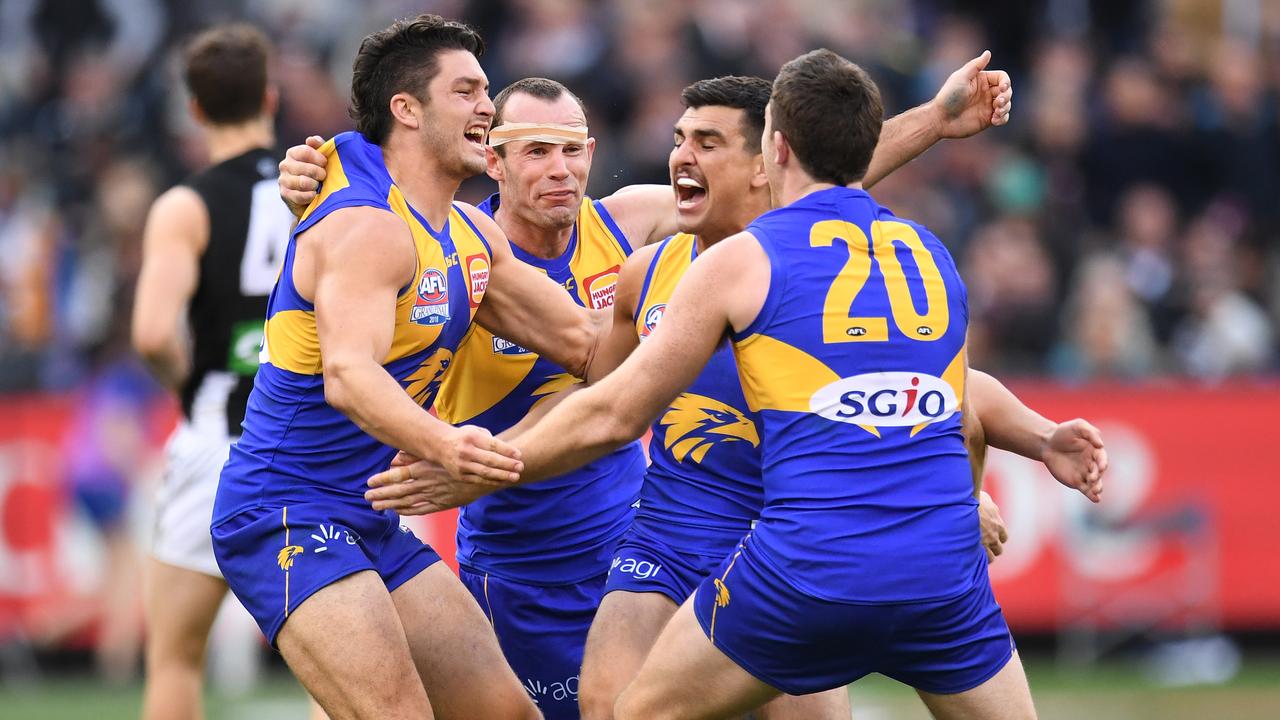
(695, 423)
(286, 554)
(424, 384)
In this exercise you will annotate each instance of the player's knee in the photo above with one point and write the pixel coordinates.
(176, 651)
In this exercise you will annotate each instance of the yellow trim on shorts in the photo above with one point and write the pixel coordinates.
(284, 520)
(487, 604)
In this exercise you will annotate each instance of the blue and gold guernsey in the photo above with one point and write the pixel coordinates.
(856, 365)
(702, 490)
(297, 448)
(560, 530)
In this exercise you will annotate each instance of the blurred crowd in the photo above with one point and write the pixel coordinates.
(1126, 224)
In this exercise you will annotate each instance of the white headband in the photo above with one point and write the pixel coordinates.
(537, 132)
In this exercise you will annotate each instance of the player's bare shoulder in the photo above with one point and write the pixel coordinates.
(644, 213)
(179, 214)
(738, 271)
(363, 239)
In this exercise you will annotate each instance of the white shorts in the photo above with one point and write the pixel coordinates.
(184, 504)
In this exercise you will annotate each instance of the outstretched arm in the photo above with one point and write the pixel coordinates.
(970, 101)
(530, 309)
(1073, 451)
(723, 290)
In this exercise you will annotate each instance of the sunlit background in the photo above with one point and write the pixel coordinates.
(1120, 240)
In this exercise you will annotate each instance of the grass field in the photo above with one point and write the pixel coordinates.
(1109, 693)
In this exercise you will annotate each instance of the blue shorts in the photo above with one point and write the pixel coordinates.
(644, 563)
(276, 558)
(542, 631)
(800, 644)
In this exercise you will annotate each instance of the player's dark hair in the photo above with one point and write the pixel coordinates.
(402, 58)
(226, 72)
(748, 94)
(830, 111)
(541, 88)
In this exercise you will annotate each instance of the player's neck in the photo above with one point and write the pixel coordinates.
(542, 242)
(228, 141)
(798, 184)
(426, 186)
(755, 205)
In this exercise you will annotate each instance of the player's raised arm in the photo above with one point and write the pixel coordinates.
(1073, 451)
(724, 289)
(526, 307)
(175, 237)
(970, 101)
(359, 259)
(645, 213)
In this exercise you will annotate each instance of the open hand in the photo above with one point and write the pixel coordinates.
(1077, 458)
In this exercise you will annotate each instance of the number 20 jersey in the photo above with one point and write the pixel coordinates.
(855, 366)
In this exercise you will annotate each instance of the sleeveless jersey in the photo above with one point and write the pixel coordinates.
(560, 530)
(703, 485)
(248, 232)
(856, 367)
(295, 447)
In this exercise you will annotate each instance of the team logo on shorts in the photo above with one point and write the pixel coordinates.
(639, 569)
(600, 288)
(651, 317)
(332, 532)
(886, 399)
(696, 423)
(286, 555)
(478, 273)
(559, 691)
(722, 593)
(432, 304)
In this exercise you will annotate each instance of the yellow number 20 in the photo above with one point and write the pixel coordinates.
(838, 326)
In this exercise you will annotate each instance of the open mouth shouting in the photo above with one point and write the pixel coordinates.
(475, 134)
(690, 194)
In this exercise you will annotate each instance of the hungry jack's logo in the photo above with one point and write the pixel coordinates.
(600, 288)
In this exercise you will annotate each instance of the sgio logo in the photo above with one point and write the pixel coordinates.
(894, 399)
